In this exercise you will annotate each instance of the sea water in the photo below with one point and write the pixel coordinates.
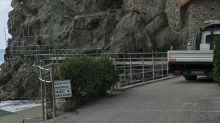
(18, 105)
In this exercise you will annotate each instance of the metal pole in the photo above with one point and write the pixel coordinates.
(124, 69)
(131, 74)
(45, 91)
(53, 92)
(58, 68)
(42, 96)
(167, 64)
(153, 65)
(162, 57)
(143, 70)
(115, 86)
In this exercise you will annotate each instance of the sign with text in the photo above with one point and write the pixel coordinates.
(62, 89)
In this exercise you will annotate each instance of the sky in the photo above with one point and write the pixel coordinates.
(5, 7)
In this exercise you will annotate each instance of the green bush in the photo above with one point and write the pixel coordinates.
(90, 77)
(216, 60)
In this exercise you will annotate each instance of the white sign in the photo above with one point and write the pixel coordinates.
(62, 89)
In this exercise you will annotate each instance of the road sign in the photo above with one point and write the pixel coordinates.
(62, 89)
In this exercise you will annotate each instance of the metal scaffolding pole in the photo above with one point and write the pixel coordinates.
(42, 96)
(45, 92)
(131, 71)
(53, 92)
(153, 67)
(143, 69)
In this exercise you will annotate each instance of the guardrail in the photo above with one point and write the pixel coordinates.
(132, 67)
(139, 68)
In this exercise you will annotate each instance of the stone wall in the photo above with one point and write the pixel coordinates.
(197, 13)
(189, 19)
(147, 6)
(173, 14)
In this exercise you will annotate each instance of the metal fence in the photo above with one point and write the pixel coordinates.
(135, 68)
(131, 67)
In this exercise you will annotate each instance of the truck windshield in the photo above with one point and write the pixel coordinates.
(210, 38)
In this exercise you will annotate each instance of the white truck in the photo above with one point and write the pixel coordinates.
(196, 60)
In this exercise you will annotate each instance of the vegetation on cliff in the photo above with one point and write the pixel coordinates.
(217, 60)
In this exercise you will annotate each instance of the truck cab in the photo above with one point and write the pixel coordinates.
(207, 38)
(197, 61)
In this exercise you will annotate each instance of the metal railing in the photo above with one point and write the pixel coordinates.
(138, 68)
(132, 67)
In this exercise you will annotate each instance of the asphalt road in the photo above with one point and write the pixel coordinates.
(170, 101)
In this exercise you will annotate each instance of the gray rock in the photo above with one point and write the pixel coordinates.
(18, 80)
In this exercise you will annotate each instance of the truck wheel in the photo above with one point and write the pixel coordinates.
(190, 77)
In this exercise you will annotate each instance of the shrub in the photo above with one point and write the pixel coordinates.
(90, 77)
(216, 60)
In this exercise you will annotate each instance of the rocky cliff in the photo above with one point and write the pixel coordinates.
(118, 26)
(134, 26)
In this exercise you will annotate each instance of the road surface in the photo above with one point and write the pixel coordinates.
(170, 101)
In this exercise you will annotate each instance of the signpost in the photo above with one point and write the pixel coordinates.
(62, 89)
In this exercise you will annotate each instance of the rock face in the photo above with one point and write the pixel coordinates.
(134, 26)
(70, 24)
(18, 80)
(188, 16)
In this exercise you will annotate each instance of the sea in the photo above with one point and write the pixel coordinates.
(12, 106)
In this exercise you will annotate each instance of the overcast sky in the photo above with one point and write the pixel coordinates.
(5, 7)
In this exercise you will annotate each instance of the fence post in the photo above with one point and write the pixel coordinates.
(124, 69)
(153, 67)
(162, 57)
(131, 72)
(167, 65)
(115, 86)
(143, 69)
